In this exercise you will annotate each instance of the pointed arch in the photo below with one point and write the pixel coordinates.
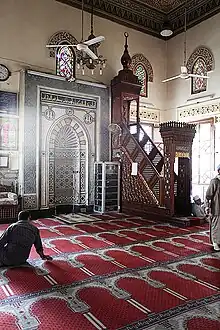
(67, 159)
(200, 62)
(65, 55)
(142, 68)
(65, 62)
(199, 84)
(206, 54)
(61, 37)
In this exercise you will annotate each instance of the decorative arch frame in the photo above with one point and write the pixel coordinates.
(59, 38)
(201, 52)
(140, 58)
(143, 69)
(200, 61)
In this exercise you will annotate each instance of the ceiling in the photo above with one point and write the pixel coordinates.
(148, 15)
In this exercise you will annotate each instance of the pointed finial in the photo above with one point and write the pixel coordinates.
(126, 59)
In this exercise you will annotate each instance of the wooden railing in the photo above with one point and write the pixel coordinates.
(153, 153)
(139, 148)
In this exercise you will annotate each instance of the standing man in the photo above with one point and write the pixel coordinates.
(213, 199)
(17, 240)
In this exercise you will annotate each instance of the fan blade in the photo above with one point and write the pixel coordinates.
(91, 54)
(53, 46)
(198, 76)
(94, 41)
(172, 78)
(57, 46)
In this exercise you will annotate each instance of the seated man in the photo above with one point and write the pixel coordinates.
(197, 208)
(17, 240)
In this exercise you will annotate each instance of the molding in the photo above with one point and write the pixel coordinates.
(146, 115)
(53, 76)
(200, 98)
(201, 111)
(147, 17)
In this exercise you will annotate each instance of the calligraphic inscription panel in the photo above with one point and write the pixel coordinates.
(66, 100)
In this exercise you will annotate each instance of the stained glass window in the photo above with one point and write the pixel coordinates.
(65, 62)
(141, 73)
(8, 133)
(199, 84)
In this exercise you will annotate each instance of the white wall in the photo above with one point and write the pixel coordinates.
(178, 91)
(26, 26)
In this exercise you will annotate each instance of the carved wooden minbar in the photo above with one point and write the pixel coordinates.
(177, 138)
(141, 193)
(148, 191)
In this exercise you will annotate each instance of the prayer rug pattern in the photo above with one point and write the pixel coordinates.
(114, 272)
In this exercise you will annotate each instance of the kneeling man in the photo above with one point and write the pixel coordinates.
(17, 240)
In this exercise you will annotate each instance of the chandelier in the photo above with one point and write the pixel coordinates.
(83, 61)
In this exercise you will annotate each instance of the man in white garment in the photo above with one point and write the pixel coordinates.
(213, 202)
(198, 209)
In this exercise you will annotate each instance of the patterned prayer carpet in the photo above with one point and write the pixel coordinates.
(72, 218)
(116, 272)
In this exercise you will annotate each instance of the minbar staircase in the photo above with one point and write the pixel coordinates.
(148, 191)
(143, 192)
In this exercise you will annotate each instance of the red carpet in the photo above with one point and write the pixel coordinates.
(114, 273)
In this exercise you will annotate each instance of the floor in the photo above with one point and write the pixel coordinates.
(114, 272)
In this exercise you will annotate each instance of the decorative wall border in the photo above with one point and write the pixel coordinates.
(143, 17)
(146, 115)
(199, 110)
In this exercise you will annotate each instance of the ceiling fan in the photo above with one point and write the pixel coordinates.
(83, 46)
(183, 69)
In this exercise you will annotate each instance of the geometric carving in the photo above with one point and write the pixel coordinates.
(89, 118)
(148, 15)
(66, 138)
(49, 113)
(68, 98)
(145, 115)
(30, 201)
(69, 112)
(177, 136)
(142, 193)
(200, 110)
(203, 53)
(67, 163)
(141, 59)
